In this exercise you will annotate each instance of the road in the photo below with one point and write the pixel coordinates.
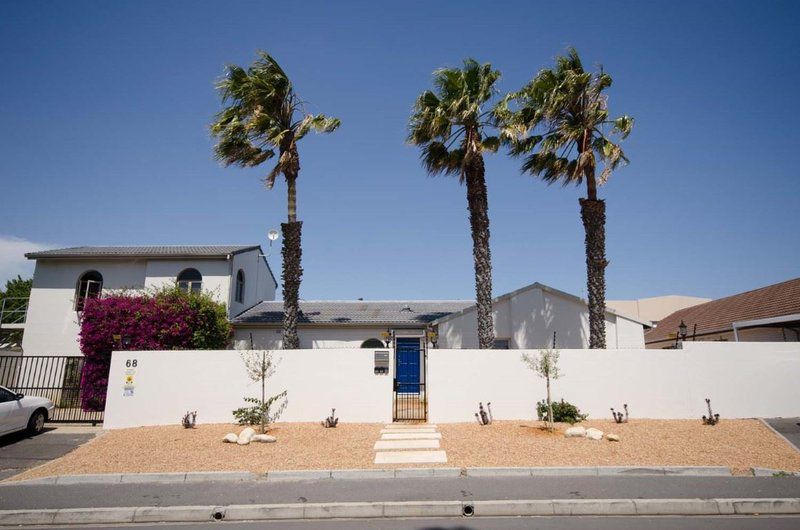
(375, 490)
(496, 523)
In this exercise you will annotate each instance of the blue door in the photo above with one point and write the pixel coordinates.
(407, 352)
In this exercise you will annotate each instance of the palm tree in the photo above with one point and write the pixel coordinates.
(449, 124)
(263, 114)
(561, 126)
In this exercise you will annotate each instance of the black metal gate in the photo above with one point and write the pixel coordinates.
(55, 377)
(410, 401)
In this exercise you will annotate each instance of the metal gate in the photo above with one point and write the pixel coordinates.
(410, 401)
(55, 377)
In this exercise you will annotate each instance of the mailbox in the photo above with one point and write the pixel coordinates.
(381, 362)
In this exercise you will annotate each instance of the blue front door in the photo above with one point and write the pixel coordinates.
(407, 352)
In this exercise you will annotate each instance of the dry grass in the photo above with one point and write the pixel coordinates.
(739, 444)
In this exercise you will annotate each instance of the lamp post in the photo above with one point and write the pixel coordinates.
(682, 330)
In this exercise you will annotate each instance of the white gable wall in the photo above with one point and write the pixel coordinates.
(259, 284)
(216, 275)
(528, 319)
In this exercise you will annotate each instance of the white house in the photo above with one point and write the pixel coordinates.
(240, 277)
(236, 275)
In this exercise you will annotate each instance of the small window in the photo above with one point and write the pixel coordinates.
(6, 396)
(90, 285)
(501, 344)
(190, 280)
(373, 343)
(240, 286)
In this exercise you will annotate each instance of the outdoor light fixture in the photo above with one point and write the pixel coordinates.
(387, 337)
(682, 330)
(433, 337)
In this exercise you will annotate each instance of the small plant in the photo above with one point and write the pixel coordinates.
(482, 416)
(189, 420)
(563, 412)
(260, 366)
(545, 364)
(618, 415)
(330, 421)
(712, 418)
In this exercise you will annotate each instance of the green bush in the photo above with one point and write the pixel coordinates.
(252, 415)
(563, 412)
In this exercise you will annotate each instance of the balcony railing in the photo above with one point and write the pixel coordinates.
(13, 310)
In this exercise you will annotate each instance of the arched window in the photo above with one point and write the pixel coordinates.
(240, 286)
(373, 343)
(90, 285)
(190, 280)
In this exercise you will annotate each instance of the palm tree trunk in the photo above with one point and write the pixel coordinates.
(292, 269)
(593, 214)
(478, 203)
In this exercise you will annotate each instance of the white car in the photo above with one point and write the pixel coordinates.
(19, 412)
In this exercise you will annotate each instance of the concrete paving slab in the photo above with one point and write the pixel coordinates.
(183, 514)
(94, 515)
(248, 512)
(676, 506)
(401, 426)
(309, 474)
(422, 509)
(153, 477)
(100, 478)
(395, 431)
(412, 436)
(594, 507)
(498, 472)
(411, 457)
(513, 508)
(349, 510)
(362, 473)
(383, 445)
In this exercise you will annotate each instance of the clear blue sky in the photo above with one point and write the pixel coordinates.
(104, 138)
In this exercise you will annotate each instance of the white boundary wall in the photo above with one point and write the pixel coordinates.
(743, 380)
(167, 384)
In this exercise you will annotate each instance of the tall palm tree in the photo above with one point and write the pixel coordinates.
(561, 126)
(263, 114)
(450, 124)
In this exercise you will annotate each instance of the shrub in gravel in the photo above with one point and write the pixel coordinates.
(563, 412)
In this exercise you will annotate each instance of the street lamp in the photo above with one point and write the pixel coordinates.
(682, 330)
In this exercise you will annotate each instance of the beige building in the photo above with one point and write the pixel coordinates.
(653, 309)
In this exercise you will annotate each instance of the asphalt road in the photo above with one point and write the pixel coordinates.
(19, 451)
(497, 523)
(788, 427)
(373, 490)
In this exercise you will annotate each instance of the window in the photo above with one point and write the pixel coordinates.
(190, 280)
(90, 285)
(373, 343)
(501, 344)
(6, 396)
(240, 286)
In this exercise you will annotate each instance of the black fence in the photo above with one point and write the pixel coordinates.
(410, 402)
(55, 377)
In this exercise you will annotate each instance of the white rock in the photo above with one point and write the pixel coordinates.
(230, 438)
(265, 438)
(575, 432)
(245, 436)
(612, 437)
(594, 434)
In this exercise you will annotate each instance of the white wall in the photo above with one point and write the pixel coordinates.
(335, 337)
(169, 383)
(259, 284)
(529, 318)
(216, 275)
(743, 380)
(51, 326)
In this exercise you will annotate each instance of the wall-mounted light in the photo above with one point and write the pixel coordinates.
(433, 337)
(387, 337)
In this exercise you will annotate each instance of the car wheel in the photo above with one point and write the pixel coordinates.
(36, 423)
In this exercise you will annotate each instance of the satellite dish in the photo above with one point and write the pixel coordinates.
(272, 235)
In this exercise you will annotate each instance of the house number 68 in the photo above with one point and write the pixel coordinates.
(131, 363)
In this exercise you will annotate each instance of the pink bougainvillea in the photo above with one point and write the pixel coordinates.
(167, 320)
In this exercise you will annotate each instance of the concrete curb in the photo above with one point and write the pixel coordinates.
(388, 473)
(779, 435)
(356, 510)
(769, 472)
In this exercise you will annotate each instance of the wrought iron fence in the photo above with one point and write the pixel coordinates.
(55, 377)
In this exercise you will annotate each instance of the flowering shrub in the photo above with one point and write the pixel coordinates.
(169, 319)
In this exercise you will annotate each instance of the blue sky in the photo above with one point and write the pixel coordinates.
(105, 107)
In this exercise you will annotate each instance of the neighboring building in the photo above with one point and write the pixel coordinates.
(653, 309)
(235, 275)
(528, 318)
(525, 318)
(768, 314)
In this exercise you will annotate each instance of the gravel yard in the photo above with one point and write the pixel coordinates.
(740, 444)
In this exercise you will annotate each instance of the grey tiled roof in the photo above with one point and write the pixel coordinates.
(355, 312)
(165, 251)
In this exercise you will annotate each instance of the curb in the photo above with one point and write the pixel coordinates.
(385, 510)
(779, 435)
(397, 473)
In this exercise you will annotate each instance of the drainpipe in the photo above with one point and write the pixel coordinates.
(735, 333)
